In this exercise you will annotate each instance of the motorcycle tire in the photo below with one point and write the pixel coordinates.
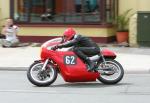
(105, 80)
(38, 82)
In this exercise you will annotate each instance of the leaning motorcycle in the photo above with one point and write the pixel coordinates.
(44, 72)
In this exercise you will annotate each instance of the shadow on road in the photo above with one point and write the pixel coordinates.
(88, 85)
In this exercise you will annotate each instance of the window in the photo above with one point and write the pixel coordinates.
(64, 11)
(111, 10)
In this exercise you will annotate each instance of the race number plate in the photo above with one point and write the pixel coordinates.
(70, 59)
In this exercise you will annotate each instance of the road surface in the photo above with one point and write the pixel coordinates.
(15, 88)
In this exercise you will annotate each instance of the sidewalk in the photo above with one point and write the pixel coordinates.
(134, 60)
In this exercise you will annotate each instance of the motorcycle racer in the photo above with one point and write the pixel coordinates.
(83, 46)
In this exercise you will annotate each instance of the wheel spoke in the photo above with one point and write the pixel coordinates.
(41, 76)
(114, 67)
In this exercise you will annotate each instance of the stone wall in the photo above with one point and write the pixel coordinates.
(133, 30)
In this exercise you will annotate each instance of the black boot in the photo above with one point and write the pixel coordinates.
(91, 64)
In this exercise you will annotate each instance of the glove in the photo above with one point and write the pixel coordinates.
(54, 47)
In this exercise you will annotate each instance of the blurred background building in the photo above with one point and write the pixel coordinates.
(40, 20)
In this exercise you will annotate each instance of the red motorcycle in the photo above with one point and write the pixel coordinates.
(64, 61)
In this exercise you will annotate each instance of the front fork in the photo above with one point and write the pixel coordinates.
(44, 65)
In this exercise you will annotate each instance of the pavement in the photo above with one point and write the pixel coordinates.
(133, 60)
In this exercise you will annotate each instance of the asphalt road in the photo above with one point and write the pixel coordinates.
(15, 88)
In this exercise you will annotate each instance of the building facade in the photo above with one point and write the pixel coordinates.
(40, 20)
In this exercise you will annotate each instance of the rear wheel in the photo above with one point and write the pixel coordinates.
(116, 74)
(41, 78)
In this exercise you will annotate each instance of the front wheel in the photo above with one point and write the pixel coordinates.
(41, 78)
(117, 74)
